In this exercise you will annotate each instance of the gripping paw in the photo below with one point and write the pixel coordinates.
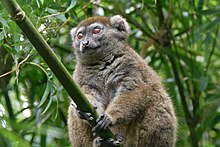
(110, 142)
(101, 124)
(84, 115)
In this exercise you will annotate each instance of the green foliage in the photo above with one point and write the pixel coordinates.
(179, 39)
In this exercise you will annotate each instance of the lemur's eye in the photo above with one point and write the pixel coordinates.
(96, 30)
(80, 35)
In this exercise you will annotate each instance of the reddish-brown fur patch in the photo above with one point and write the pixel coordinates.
(91, 20)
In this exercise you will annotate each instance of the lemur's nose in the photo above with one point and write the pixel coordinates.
(85, 43)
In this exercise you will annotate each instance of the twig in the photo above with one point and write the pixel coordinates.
(16, 68)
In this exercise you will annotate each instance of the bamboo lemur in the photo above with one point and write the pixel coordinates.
(130, 97)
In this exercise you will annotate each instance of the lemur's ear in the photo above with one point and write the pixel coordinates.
(120, 23)
(72, 33)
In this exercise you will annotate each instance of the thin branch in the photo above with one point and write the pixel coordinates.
(17, 67)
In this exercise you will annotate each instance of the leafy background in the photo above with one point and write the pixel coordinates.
(179, 39)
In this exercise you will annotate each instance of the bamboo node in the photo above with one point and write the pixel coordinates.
(19, 16)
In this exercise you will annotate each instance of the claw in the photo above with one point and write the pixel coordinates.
(74, 105)
(118, 137)
(95, 106)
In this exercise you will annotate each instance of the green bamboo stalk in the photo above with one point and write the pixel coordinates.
(18, 15)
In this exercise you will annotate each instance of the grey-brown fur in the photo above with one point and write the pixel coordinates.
(124, 87)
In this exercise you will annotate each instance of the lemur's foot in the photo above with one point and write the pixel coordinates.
(110, 142)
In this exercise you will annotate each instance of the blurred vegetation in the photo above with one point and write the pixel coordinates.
(179, 39)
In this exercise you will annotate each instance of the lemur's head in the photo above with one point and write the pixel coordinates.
(97, 33)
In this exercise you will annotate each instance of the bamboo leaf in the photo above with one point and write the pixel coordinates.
(46, 93)
(209, 12)
(58, 15)
(203, 83)
(4, 22)
(2, 35)
(48, 105)
(72, 4)
(16, 140)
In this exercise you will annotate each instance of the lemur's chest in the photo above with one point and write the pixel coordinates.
(103, 82)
